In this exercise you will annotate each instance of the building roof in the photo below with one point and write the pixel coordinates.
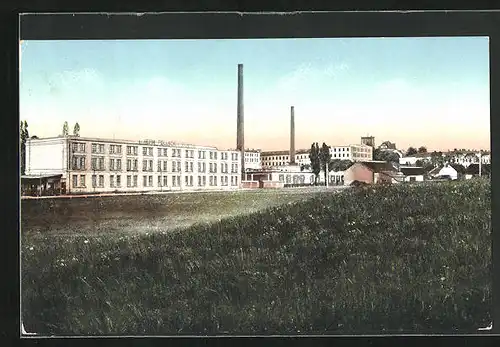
(284, 152)
(412, 170)
(377, 166)
(388, 144)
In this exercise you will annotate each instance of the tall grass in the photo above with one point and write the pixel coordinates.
(408, 258)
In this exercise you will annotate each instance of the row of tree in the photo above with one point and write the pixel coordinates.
(321, 160)
(76, 129)
(24, 135)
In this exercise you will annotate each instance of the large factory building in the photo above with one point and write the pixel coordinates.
(88, 165)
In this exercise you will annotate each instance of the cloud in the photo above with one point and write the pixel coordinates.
(308, 77)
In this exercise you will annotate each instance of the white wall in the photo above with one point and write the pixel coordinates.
(448, 171)
(418, 178)
(408, 160)
(48, 156)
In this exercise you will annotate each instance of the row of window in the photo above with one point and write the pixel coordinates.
(284, 157)
(115, 181)
(99, 148)
(296, 179)
(115, 164)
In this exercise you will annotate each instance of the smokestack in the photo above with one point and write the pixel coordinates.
(292, 136)
(240, 127)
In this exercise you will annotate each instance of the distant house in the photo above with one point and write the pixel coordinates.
(473, 170)
(387, 145)
(412, 160)
(412, 173)
(370, 172)
(452, 171)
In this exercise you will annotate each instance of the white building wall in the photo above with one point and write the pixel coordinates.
(416, 178)
(253, 160)
(448, 171)
(48, 156)
(53, 155)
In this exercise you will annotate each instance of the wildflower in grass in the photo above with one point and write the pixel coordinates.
(86, 241)
(31, 248)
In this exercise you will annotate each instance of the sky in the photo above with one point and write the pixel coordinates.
(431, 92)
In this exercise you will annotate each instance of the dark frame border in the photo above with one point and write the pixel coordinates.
(237, 25)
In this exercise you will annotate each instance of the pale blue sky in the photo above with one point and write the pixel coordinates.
(412, 91)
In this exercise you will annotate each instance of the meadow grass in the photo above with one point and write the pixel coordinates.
(403, 258)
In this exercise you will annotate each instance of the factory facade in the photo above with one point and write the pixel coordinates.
(94, 165)
(354, 152)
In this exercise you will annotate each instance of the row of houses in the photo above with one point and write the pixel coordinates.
(385, 172)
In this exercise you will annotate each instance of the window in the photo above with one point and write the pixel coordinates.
(191, 167)
(132, 150)
(75, 181)
(118, 181)
(129, 181)
(204, 180)
(158, 166)
(111, 164)
(112, 181)
(186, 180)
(145, 181)
(78, 163)
(165, 181)
(94, 181)
(174, 166)
(82, 180)
(150, 181)
(118, 164)
(186, 167)
(94, 148)
(101, 181)
(199, 181)
(135, 180)
(211, 180)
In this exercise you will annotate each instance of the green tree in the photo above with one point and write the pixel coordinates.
(76, 129)
(314, 157)
(24, 135)
(325, 157)
(388, 156)
(411, 151)
(422, 149)
(305, 167)
(65, 130)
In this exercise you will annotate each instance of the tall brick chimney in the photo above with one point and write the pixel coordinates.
(240, 126)
(292, 136)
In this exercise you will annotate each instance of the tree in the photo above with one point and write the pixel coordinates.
(305, 167)
(65, 130)
(314, 156)
(24, 135)
(324, 158)
(388, 156)
(76, 129)
(411, 151)
(422, 149)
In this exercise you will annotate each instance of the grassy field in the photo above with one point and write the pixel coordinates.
(406, 258)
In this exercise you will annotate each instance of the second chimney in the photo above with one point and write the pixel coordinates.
(292, 136)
